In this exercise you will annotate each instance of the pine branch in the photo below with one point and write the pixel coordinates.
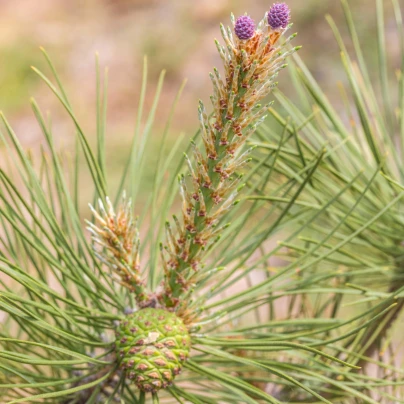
(118, 237)
(251, 61)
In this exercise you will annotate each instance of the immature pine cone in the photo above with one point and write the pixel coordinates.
(152, 345)
(279, 16)
(244, 27)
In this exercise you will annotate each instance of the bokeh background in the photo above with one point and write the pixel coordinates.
(176, 35)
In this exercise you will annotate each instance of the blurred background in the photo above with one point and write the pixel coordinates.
(175, 35)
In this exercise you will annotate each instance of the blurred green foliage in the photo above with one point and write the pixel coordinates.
(16, 78)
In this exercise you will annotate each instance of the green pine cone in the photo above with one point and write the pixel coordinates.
(153, 345)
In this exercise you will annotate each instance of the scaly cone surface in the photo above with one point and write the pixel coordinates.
(152, 344)
(252, 59)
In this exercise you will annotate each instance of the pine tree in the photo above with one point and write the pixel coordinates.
(192, 308)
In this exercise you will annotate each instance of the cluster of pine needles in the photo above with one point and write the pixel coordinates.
(313, 318)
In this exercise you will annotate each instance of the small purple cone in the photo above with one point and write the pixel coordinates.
(279, 16)
(245, 27)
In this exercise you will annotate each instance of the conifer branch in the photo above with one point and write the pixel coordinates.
(251, 59)
(118, 236)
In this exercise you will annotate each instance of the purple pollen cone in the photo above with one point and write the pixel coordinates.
(245, 27)
(279, 16)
